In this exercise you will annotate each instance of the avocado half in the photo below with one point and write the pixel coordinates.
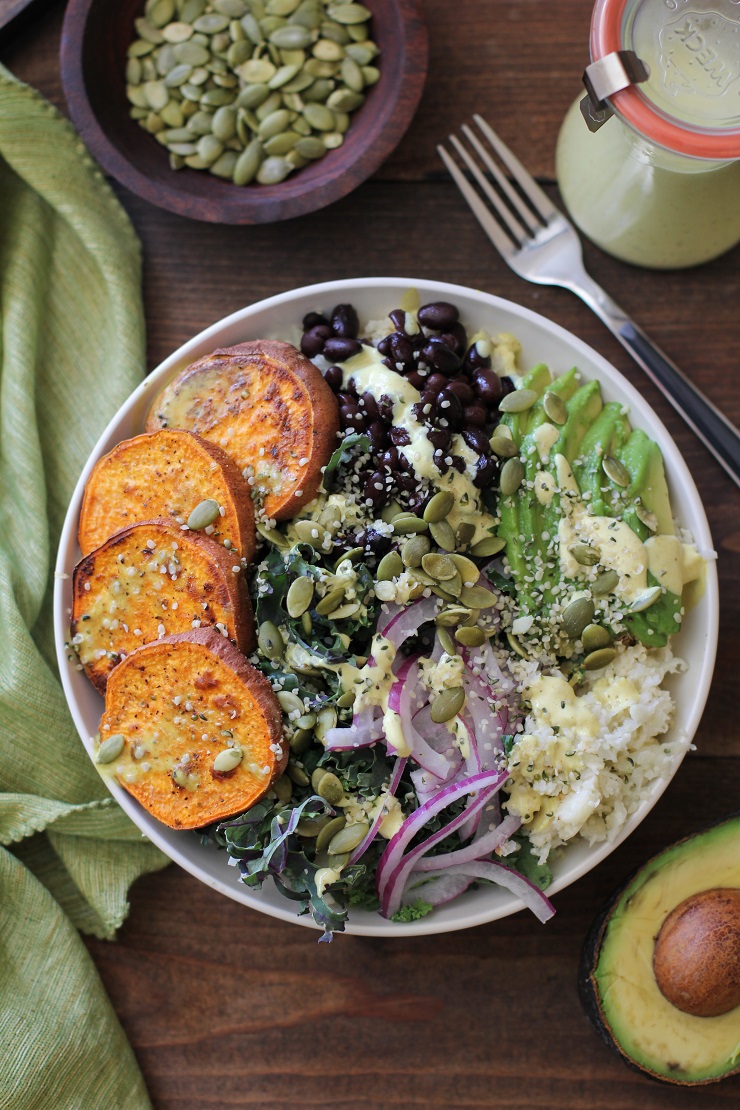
(617, 984)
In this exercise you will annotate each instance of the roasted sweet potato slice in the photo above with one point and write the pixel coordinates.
(179, 704)
(268, 407)
(150, 580)
(165, 475)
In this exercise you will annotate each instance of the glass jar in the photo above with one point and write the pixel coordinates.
(659, 184)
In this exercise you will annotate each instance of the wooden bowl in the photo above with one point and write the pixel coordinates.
(95, 38)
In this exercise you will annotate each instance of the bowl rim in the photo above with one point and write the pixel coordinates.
(270, 203)
(371, 924)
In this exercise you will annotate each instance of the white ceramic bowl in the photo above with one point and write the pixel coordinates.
(542, 341)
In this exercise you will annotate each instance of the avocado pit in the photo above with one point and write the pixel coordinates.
(696, 960)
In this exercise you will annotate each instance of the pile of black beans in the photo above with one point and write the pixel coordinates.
(460, 392)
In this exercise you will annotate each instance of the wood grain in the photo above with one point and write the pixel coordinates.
(486, 1018)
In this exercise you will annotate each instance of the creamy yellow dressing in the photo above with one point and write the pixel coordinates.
(545, 438)
(620, 548)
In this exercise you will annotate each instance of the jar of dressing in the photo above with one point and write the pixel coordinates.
(659, 184)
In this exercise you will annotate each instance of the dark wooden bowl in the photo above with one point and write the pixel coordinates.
(95, 38)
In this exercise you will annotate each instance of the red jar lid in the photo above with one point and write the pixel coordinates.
(692, 49)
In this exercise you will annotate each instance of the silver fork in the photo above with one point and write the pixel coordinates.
(541, 245)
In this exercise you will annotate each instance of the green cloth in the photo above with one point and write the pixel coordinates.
(71, 350)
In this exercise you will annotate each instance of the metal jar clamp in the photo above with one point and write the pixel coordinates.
(606, 76)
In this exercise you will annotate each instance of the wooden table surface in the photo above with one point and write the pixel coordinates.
(225, 1007)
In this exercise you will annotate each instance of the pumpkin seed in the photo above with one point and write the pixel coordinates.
(252, 96)
(308, 531)
(306, 623)
(274, 123)
(317, 776)
(439, 507)
(177, 32)
(439, 566)
(348, 13)
(491, 545)
(191, 9)
(319, 90)
(348, 838)
(464, 534)
(310, 827)
(326, 50)
(248, 163)
(584, 554)
(370, 75)
(326, 718)
(554, 407)
(270, 641)
(477, 597)
(615, 471)
(353, 555)
(443, 535)
(445, 638)
(204, 513)
(518, 401)
(319, 117)
(438, 591)
(362, 52)
(345, 611)
(330, 601)
(273, 170)
(347, 700)
(471, 636)
(224, 123)
(330, 789)
(512, 474)
(290, 702)
(649, 519)
(233, 8)
(335, 862)
(576, 616)
(308, 720)
(516, 646)
(406, 524)
(456, 614)
(344, 100)
(329, 831)
(335, 32)
(467, 569)
(503, 446)
(291, 37)
(301, 740)
(598, 659)
(283, 788)
(297, 775)
(282, 7)
(595, 636)
(110, 748)
(209, 148)
(605, 584)
(647, 598)
(351, 74)
(414, 550)
(228, 759)
(447, 704)
(299, 596)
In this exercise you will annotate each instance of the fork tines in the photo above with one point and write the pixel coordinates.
(507, 218)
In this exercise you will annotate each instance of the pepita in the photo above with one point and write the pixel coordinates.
(615, 471)
(270, 641)
(439, 507)
(330, 789)
(518, 401)
(290, 702)
(299, 596)
(228, 760)
(576, 616)
(297, 775)
(649, 519)
(456, 614)
(447, 704)
(441, 567)
(464, 534)
(306, 623)
(348, 838)
(317, 776)
(347, 700)
(471, 636)
(445, 638)
(406, 524)
(330, 601)
(598, 659)
(554, 407)
(512, 474)
(413, 551)
(442, 534)
(647, 598)
(467, 569)
(283, 788)
(605, 584)
(595, 636)
(503, 446)
(477, 597)
(584, 554)
(516, 646)
(110, 748)
(329, 831)
(307, 720)
(301, 741)
(326, 718)
(489, 546)
(205, 513)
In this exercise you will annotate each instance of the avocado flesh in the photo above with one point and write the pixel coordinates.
(645, 1027)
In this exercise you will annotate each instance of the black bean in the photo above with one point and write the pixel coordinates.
(477, 440)
(375, 489)
(333, 378)
(390, 458)
(474, 361)
(439, 459)
(475, 416)
(434, 383)
(385, 406)
(313, 341)
(440, 438)
(415, 379)
(398, 318)
(384, 345)
(450, 409)
(351, 388)
(507, 386)
(485, 472)
(487, 386)
(347, 398)
(378, 543)
(437, 354)
(351, 416)
(456, 338)
(429, 398)
(377, 433)
(313, 319)
(344, 321)
(440, 315)
(339, 349)
(401, 349)
(459, 463)
(399, 437)
(370, 405)
(462, 391)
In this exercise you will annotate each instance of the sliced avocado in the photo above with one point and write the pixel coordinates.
(537, 379)
(608, 431)
(617, 984)
(644, 460)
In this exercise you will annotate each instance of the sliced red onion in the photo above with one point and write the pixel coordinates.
(394, 698)
(394, 867)
(420, 750)
(476, 851)
(472, 766)
(364, 844)
(408, 620)
(518, 884)
(436, 889)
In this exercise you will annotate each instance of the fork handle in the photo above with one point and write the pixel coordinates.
(713, 428)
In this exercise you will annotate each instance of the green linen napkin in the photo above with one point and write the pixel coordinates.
(71, 350)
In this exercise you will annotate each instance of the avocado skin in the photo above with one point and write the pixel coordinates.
(588, 990)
